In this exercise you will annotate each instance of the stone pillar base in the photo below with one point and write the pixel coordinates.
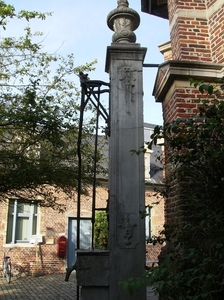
(92, 272)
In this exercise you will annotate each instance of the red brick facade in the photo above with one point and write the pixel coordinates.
(31, 259)
(196, 30)
(196, 50)
(180, 104)
(216, 25)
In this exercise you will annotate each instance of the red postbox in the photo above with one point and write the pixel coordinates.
(62, 243)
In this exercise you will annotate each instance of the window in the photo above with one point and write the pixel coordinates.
(22, 221)
(148, 227)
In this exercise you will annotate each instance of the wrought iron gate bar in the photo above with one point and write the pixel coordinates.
(91, 91)
(103, 113)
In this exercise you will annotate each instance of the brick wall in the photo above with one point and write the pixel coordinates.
(196, 30)
(216, 29)
(30, 259)
(42, 259)
(180, 101)
(197, 35)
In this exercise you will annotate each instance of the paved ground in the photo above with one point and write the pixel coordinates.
(44, 287)
(49, 287)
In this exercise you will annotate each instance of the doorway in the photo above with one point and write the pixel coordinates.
(85, 238)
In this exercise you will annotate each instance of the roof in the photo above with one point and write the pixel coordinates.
(155, 7)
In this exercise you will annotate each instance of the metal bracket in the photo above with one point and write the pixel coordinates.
(91, 90)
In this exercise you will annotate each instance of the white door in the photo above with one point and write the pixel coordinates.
(85, 238)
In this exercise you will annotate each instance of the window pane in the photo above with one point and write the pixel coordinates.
(85, 234)
(22, 229)
(34, 229)
(35, 208)
(24, 207)
(148, 223)
(9, 229)
(11, 207)
(22, 221)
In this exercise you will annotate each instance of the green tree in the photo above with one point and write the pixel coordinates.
(101, 230)
(39, 117)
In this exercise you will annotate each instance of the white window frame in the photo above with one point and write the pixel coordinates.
(15, 217)
(148, 223)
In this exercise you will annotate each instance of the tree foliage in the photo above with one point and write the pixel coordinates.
(39, 116)
(192, 267)
(101, 230)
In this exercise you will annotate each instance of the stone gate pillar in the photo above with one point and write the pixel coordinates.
(126, 171)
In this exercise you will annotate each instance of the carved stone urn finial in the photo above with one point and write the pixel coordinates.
(123, 20)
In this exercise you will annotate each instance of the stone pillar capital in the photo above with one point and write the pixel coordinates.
(123, 21)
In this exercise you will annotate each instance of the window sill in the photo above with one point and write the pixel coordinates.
(25, 245)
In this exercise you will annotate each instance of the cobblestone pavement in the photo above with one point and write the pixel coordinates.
(49, 287)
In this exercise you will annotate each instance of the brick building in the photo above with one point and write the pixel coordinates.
(31, 233)
(195, 50)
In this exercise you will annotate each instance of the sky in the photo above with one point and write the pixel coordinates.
(80, 27)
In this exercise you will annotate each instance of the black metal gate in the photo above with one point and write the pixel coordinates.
(91, 92)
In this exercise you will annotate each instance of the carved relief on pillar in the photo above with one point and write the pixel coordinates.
(122, 24)
(127, 82)
(127, 231)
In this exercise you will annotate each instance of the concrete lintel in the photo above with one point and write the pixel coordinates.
(122, 51)
(172, 70)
